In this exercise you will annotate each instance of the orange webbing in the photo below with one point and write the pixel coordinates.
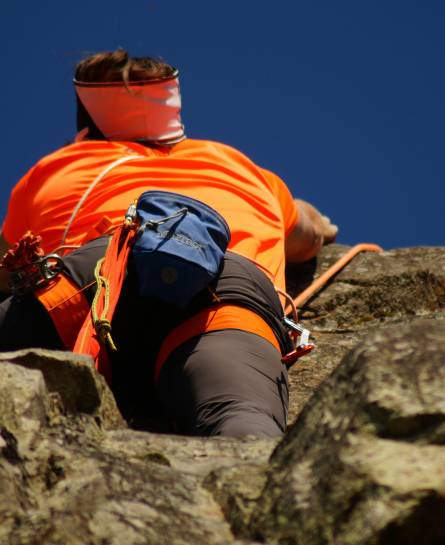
(113, 268)
(305, 295)
(221, 316)
(67, 307)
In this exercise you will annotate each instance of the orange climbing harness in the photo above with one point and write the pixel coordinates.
(218, 317)
(32, 271)
(95, 333)
(67, 306)
(88, 331)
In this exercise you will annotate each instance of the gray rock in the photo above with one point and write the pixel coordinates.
(72, 382)
(372, 292)
(362, 463)
(67, 478)
(365, 461)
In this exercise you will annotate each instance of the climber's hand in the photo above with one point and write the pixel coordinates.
(311, 232)
(321, 224)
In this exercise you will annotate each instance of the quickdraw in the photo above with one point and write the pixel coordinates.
(298, 334)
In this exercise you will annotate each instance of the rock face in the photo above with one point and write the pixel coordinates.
(372, 293)
(363, 462)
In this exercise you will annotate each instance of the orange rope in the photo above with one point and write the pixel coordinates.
(305, 295)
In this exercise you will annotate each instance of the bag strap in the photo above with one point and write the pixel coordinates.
(90, 188)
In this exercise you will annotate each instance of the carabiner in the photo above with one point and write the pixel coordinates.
(50, 266)
(301, 340)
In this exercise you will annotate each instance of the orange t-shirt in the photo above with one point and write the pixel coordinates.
(256, 203)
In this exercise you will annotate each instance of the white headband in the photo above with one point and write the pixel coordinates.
(142, 110)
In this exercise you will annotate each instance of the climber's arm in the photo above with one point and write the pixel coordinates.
(4, 275)
(311, 232)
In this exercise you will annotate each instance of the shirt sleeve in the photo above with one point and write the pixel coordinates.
(15, 223)
(284, 196)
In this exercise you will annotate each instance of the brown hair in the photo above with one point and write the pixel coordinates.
(115, 66)
(119, 66)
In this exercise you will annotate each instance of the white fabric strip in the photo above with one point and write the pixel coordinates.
(141, 111)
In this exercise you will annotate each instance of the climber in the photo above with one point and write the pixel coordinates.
(220, 379)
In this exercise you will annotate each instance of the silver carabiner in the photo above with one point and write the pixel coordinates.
(50, 266)
(303, 334)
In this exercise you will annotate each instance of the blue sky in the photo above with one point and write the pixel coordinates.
(344, 100)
